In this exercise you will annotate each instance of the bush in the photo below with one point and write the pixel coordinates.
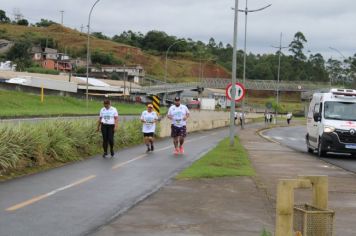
(42, 70)
(33, 145)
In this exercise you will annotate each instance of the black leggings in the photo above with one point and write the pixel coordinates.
(108, 137)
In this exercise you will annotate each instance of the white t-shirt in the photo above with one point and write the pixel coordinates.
(289, 116)
(149, 118)
(177, 114)
(107, 116)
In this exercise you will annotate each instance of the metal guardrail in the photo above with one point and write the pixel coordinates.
(270, 85)
(169, 88)
(267, 84)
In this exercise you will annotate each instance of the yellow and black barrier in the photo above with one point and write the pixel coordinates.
(156, 104)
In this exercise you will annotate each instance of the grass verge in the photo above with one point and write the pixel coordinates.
(19, 104)
(224, 160)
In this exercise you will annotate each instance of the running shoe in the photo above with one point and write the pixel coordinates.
(176, 151)
(181, 150)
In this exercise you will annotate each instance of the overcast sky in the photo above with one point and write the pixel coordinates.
(325, 23)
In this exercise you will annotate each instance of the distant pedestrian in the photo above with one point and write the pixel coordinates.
(178, 114)
(270, 118)
(289, 117)
(149, 119)
(242, 118)
(108, 122)
(265, 115)
(235, 117)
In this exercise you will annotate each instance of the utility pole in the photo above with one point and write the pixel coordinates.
(246, 11)
(62, 17)
(17, 15)
(124, 82)
(81, 28)
(233, 79)
(278, 73)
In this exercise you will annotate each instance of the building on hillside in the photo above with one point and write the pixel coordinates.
(50, 58)
(60, 65)
(134, 73)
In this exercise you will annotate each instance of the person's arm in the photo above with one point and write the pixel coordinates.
(186, 114)
(99, 124)
(156, 118)
(116, 118)
(142, 118)
(169, 114)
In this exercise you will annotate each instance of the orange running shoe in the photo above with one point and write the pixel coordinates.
(181, 150)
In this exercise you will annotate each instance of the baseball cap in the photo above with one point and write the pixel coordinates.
(177, 99)
(150, 105)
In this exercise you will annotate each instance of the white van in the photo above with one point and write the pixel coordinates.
(331, 125)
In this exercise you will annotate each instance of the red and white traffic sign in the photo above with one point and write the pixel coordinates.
(240, 91)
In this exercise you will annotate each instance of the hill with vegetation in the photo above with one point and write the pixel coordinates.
(188, 59)
(104, 51)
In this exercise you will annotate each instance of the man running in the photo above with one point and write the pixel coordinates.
(108, 121)
(149, 119)
(178, 114)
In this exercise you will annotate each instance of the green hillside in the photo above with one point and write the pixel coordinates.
(74, 43)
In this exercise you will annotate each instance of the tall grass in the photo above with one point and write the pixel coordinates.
(60, 141)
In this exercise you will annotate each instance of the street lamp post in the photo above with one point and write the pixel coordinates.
(166, 68)
(233, 78)
(246, 11)
(278, 72)
(88, 53)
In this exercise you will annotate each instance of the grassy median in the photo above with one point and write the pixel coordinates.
(224, 160)
(19, 104)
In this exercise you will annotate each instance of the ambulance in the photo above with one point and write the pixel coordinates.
(331, 124)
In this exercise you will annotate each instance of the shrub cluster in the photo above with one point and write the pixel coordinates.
(36, 144)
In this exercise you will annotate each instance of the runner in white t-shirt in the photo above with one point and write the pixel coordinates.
(108, 121)
(178, 114)
(149, 119)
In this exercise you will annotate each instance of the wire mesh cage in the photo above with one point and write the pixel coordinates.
(312, 221)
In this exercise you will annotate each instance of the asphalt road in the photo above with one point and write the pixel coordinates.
(78, 198)
(294, 137)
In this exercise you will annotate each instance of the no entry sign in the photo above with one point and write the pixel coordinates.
(240, 91)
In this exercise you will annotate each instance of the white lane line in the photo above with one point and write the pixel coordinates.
(157, 150)
(46, 195)
(277, 137)
(129, 161)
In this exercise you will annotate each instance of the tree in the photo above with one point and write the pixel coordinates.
(45, 23)
(20, 54)
(3, 17)
(100, 35)
(296, 46)
(130, 38)
(22, 22)
(157, 40)
(335, 70)
(103, 58)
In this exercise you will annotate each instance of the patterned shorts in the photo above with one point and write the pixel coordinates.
(178, 131)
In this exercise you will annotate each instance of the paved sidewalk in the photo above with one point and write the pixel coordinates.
(240, 206)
